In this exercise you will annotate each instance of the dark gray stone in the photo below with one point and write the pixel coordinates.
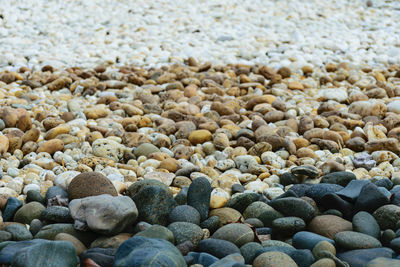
(237, 233)
(349, 240)
(360, 257)
(56, 214)
(288, 178)
(300, 189)
(154, 204)
(365, 223)
(5, 236)
(333, 201)
(217, 247)
(184, 213)
(19, 232)
(352, 190)
(158, 231)
(35, 226)
(12, 205)
(199, 195)
(242, 201)
(370, 199)
(249, 251)
(263, 212)
(307, 240)
(387, 216)
(185, 231)
(288, 226)
(318, 191)
(33, 195)
(295, 207)
(341, 178)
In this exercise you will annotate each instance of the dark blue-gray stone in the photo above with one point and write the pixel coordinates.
(287, 226)
(318, 191)
(55, 191)
(348, 240)
(352, 190)
(385, 182)
(254, 222)
(303, 257)
(360, 257)
(199, 195)
(35, 226)
(217, 247)
(242, 201)
(34, 195)
(237, 188)
(19, 232)
(158, 231)
(104, 257)
(203, 258)
(307, 240)
(370, 199)
(341, 178)
(56, 214)
(48, 253)
(8, 252)
(333, 201)
(12, 205)
(395, 244)
(181, 197)
(365, 223)
(5, 236)
(233, 260)
(288, 178)
(289, 193)
(154, 204)
(263, 212)
(211, 224)
(295, 207)
(144, 251)
(184, 213)
(184, 231)
(264, 230)
(249, 251)
(300, 189)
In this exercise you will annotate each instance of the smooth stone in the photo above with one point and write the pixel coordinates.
(387, 236)
(12, 205)
(263, 212)
(237, 188)
(295, 207)
(55, 192)
(101, 256)
(8, 252)
(341, 178)
(28, 212)
(249, 251)
(395, 244)
(185, 231)
(5, 236)
(184, 213)
(51, 254)
(19, 232)
(349, 240)
(318, 191)
(217, 247)
(144, 251)
(145, 149)
(111, 241)
(302, 257)
(103, 214)
(333, 212)
(50, 231)
(370, 199)
(154, 204)
(325, 262)
(360, 257)
(387, 216)
(181, 197)
(365, 223)
(79, 247)
(57, 214)
(352, 190)
(242, 201)
(274, 258)
(288, 193)
(288, 178)
(264, 231)
(34, 195)
(237, 233)
(308, 240)
(90, 184)
(158, 231)
(300, 189)
(309, 171)
(383, 262)
(199, 195)
(134, 188)
(185, 247)
(333, 201)
(35, 226)
(227, 215)
(288, 226)
(254, 222)
(329, 225)
(212, 224)
(320, 249)
(385, 182)
(233, 260)
(205, 259)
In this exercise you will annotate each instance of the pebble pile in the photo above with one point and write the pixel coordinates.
(200, 164)
(154, 33)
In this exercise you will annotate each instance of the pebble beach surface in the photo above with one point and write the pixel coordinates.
(144, 147)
